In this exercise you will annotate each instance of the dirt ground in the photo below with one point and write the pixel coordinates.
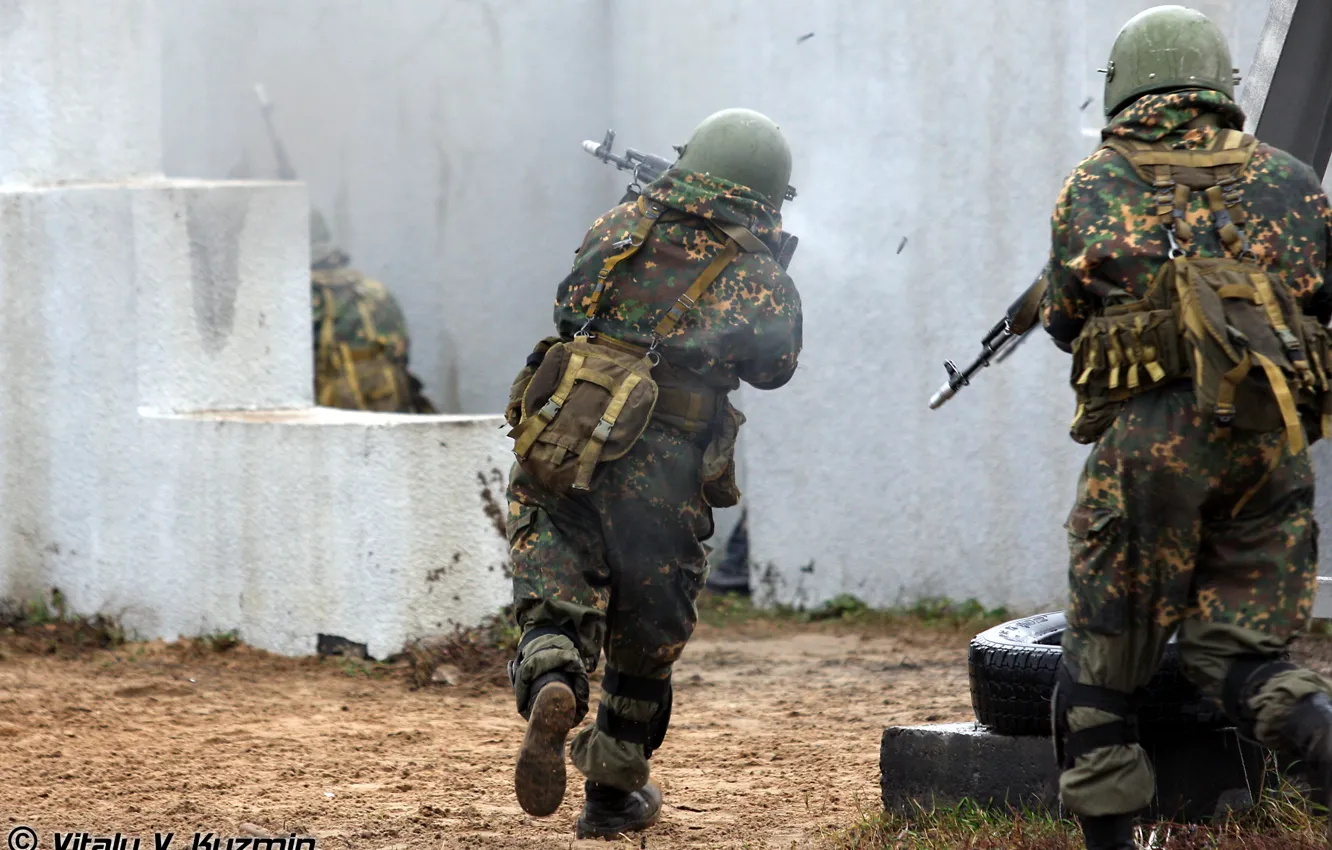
(775, 737)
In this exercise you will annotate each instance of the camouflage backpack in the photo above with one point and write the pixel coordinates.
(1226, 323)
(590, 399)
(361, 346)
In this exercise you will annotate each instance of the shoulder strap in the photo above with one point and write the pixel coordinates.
(648, 215)
(690, 297)
(745, 238)
(1227, 158)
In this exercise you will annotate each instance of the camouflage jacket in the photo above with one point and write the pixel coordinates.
(1104, 233)
(745, 327)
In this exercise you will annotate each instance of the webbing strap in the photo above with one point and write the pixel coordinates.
(1230, 381)
(1212, 158)
(591, 453)
(1292, 345)
(349, 369)
(1285, 401)
(1179, 213)
(745, 238)
(648, 215)
(1271, 467)
(1222, 221)
(690, 297)
(622, 728)
(635, 687)
(525, 435)
(1117, 733)
(1096, 696)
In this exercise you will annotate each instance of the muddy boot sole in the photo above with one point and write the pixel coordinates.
(539, 777)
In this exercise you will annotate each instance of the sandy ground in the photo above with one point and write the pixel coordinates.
(775, 737)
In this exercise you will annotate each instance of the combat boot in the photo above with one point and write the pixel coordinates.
(1108, 832)
(1308, 731)
(609, 812)
(539, 777)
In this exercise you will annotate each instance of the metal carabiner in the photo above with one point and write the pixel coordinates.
(1175, 249)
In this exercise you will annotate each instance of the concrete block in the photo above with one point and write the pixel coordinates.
(1197, 775)
(80, 91)
(223, 293)
(280, 524)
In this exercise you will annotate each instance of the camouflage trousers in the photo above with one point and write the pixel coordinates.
(616, 569)
(1182, 527)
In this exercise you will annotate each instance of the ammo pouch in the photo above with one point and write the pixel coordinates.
(588, 403)
(591, 398)
(1117, 356)
(718, 473)
(1254, 360)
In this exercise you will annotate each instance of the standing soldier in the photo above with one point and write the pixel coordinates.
(1187, 279)
(360, 336)
(625, 438)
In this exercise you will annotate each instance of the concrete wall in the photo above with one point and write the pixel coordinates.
(440, 139)
(160, 459)
(931, 137)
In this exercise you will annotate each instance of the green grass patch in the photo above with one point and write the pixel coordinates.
(46, 625)
(1282, 819)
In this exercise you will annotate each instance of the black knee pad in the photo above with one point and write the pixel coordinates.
(1068, 694)
(649, 734)
(1246, 677)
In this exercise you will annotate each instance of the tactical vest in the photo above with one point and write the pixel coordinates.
(590, 399)
(1226, 324)
(356, 374)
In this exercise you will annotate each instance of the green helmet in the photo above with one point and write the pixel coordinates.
(1167, 48)
(742, 146)
(321, 240)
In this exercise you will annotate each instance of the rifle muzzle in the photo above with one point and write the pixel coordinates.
(944, 394)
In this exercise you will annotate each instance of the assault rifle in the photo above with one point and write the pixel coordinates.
(285, 170)
(1002, 340)
(646, 167)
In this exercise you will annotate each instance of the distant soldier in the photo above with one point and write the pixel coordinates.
(1188, 278)
(360, 336)
(625, 437)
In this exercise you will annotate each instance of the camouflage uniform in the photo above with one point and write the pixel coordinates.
(361, 343)
(1179, 524)
(620, 567)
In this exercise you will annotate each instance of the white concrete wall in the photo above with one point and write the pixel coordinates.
(443, 138)
(440, 138)
(950, 125)
(160, 460)
(280, 524)
(79, 107)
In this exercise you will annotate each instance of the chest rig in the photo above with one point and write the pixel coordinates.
(1225, 323)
